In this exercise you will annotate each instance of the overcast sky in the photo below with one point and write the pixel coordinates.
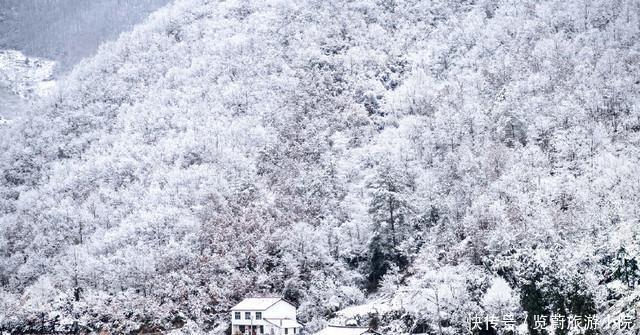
(67, 30)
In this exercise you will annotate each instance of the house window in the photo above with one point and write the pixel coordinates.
(258, 315)
(261, 329)
(295, 330)
(247, 315)
(286, 331)
(236, 315)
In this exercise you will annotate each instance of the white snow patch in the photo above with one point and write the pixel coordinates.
(23, 80)
(375, 307)
(499, 297)
(25, 76)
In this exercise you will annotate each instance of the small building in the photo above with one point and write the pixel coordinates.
(346, 330)
(268, 316)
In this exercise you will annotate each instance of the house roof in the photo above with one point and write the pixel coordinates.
(255, 304)
(345, 330)
(286, 323)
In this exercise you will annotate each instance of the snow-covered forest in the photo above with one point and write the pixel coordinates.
(402, 163)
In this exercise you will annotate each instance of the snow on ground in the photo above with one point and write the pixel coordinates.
(378, 306)
(23, 79)
(358, 313)
(25, 75)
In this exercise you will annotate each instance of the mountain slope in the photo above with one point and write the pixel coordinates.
(335, 152)
(67, 31)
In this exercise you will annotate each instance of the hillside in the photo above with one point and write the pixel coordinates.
(67, 31)
(404, 163)
(23, 81)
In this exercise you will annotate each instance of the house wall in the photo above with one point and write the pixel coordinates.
(246, 322)
(280, 310)
(235, 329)
(271, 330)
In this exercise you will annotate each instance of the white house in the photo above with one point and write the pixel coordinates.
(346, 330)
(269, 316)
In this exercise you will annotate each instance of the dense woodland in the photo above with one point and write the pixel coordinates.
(436, 157)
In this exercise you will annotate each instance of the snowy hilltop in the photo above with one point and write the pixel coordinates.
(67, 31)
(401, 165)
(25, 76)
(22, 79)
